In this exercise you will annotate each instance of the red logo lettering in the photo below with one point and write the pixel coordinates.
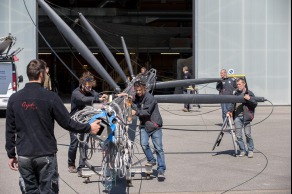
(27, 106)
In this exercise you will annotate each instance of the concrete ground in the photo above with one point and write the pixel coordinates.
(192, 166)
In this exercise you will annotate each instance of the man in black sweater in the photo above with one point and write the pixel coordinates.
(146, 108)
(243, 114)
(30, 118)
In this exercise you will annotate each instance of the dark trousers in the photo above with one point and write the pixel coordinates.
(39, 175)
(187, 106)
(73, 151)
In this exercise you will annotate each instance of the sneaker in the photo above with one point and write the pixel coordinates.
(242, 154)
(150, 164)
(79, 173)
(250, 154)
(129, 183)
(185, 110)
(72, 169)
(161, 176)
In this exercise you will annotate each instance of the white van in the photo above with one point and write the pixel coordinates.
(8, 81)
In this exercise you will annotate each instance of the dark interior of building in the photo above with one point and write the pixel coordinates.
(157, 34)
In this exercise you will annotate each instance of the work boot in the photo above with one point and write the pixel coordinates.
(242, 154)
(250, 154)
(150, 164)
(161, 176)
(72, 169)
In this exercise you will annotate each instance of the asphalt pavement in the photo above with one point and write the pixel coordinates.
(192, 166)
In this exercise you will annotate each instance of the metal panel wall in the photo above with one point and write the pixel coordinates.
(253, 37)
(14, 19)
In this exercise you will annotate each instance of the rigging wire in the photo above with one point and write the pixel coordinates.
(189, 115)
(186, 130)
(267, 163)
(272, 111)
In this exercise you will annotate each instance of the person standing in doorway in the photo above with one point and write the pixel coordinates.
(48, 82)
(186, 75)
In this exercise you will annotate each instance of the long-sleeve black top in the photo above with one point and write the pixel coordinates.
(247, 109)
(147, 109)
(30, 117)
(226, 86)
(79, 100)
(187, 75)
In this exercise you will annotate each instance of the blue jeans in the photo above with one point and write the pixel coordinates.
(39, 174)
(224, 108)
(239, 124)
(157, 142)
(73, 151)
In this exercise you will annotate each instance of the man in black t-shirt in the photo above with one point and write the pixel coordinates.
(225, 87)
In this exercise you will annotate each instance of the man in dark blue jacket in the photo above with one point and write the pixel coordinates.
(243, 114)
(146, 108)
(30, 117)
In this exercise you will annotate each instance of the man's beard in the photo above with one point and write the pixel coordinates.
(86, 90)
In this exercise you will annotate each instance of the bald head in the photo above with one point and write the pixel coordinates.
(223, 73)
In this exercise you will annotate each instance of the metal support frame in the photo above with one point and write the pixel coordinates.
(227, 121)
(87, 172)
